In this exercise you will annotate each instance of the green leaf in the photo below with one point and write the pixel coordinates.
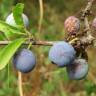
(9, 30)
(9, 51)
(2, 37)
(17, 13)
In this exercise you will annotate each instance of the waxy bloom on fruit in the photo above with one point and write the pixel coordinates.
(78, 69)
(10, 20)
(62, 53)
(24, 60)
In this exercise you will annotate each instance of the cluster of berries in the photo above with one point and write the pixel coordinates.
(61, 53)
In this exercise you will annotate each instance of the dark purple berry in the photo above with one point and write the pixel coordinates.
(78, 69)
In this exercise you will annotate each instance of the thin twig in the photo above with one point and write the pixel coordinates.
(87, 8)
(43, 43)
(89, 36)
(85, 13)
(41, 14)
(20, 83)
(87, 24)
(85, 17)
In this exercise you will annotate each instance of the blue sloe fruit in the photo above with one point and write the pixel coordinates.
(62, 53)
(24, 60)
(10, 20)
(78, 69)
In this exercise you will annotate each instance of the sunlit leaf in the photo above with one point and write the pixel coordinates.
(17, 13)
(2, 37)
(9, 51)
(9, 31)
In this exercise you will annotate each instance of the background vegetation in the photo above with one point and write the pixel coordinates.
(46, 79)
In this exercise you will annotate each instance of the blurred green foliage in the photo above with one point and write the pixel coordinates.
(57, 82)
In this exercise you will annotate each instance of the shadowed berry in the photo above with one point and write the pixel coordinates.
(72, 25)
(10, 20)
(62, 53)
(24, 60)
(78, 69)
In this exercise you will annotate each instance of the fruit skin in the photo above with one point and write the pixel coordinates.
(78, 69)
(62, 53)
(24, 60)
(94, 23)
(10, 20)
(72, 25)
